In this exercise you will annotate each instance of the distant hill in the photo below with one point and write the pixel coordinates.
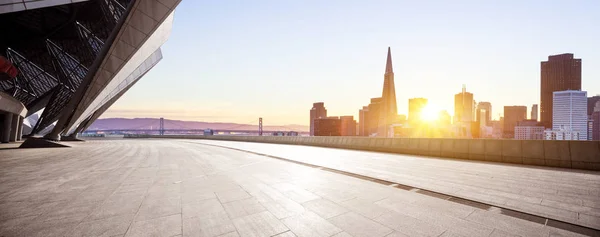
(153, 123)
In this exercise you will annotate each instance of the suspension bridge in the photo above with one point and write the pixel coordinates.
(164, 126)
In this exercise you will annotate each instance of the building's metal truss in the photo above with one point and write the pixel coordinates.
(53, 49)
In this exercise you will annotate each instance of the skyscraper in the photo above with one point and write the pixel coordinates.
(534, 112)
(328, 126)
(415, 107)
(512, 116)
(570, 112)
(561, 72)
(592, 103)
(596, 122)
(348, 126)
(317, 111)
(389, 109)
(486, 109)
(373, 117)
(463, 106)
(362, 121)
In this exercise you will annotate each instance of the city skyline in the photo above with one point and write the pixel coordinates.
(238, 81)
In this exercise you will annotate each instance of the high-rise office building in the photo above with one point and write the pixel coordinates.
(463, 106)
(561, 72)
(362, 121)
(317, 111)
(348, 126)
(534, 112)
(484, 108)
(529, 132)
(512, 116)
(389, 109)
(596, 122)
(592, 103)
(328, 126)
(373, 116)
(570, 112)
(415, 108)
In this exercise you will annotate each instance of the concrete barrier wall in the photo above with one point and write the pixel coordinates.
(564, 154)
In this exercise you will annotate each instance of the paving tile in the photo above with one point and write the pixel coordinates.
(201, 208)
(409, 226)
(259, 224)
(588, 220)
(209, 224)
(499, 233)
(56, 227)
(153, 208)
(561, 229)
(342, 234)
(357, 225)
(396, 234)
(230, 234)
(232, 195)
(189, 197)
(49, 191)
(286, 234)
(300, 195)
(243, 207)
(364, 207)
(310, 224)
(116, 208)
(163, 226)
(11, 227)
(325, 208)
(111, 226)
(281, 207)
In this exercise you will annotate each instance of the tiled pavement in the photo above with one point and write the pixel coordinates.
(567, 195)
(172, 188)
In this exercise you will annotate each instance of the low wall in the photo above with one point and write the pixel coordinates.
(564, 154)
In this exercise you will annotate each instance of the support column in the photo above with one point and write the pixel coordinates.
(6, 127)
(20, 129)
(14, 127)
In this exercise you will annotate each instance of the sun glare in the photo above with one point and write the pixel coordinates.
(429, 113)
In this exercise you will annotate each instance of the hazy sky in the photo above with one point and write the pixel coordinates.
(235, 61)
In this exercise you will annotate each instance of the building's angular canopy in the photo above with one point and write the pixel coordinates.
(74, 59)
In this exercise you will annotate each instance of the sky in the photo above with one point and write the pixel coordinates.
(236, 61)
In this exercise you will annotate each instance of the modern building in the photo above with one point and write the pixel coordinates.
(592, 103)
(328, 126)
(529, 132)
(483, 113)
(389, 109)
(528, 122)
(563, 135)
(317, 111)
(513, 115)
(534, 112)
(570, 112)
(348, 126)
(561, 72)
(362, 121)
(464, 109)
(369, 117)
(415, 108)
(12, 114)
(590, 132)
(596, 122)
(74, 59)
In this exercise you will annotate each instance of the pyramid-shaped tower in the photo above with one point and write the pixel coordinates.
(389, 109)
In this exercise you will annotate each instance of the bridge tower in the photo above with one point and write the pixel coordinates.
(260, 129)
(161, 129)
